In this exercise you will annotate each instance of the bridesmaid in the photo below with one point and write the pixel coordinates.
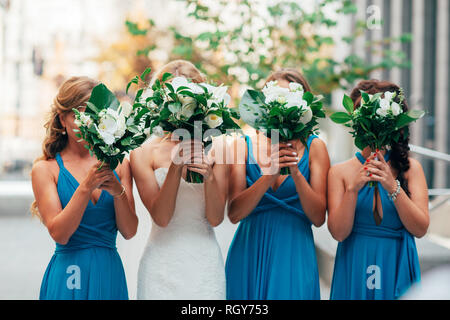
(272, 255)
(82, 207)
(376, 256)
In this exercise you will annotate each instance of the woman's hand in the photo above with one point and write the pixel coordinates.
(95, 177)
(112, 185)
(282, 156)
(380, 171)
(359, 179)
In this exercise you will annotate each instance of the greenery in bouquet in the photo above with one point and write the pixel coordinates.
(178, 103)
(290, 112)
(380, 120)
(110, 128)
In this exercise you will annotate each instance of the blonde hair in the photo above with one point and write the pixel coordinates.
(73, 93)
(289, 75)
(180, 68)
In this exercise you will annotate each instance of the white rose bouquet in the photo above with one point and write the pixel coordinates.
(182, 104)
(110, 129)
(292, 112)
(379, 120)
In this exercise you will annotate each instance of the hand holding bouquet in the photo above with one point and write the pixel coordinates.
(200, 109)
(110, 129)
(291, 112)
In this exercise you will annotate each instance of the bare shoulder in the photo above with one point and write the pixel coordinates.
(45, 169)
(415, 168)
(318, 147)
(340, 170)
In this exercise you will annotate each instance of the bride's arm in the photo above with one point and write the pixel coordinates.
(159, 202)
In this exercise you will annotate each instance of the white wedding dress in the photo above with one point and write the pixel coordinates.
(182, 261)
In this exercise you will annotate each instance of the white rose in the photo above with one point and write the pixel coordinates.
(273, 93)
(188, 110)
(108, 124)
(294, 86)
(219, 94)
(382, 111)
(295, 99)
(127, 108)
(121, 128)
(157, 131)
(281, 99)
(106, 136)
(213, 120)
(396, 110)
(389, 96)
(306, 116)
(179, 82)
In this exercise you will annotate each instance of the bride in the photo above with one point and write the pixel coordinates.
(182, 259)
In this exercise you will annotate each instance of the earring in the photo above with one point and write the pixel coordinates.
(64, 132)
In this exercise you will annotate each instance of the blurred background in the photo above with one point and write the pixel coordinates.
(335, 43)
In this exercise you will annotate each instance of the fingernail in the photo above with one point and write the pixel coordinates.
(296, 158)
(378, 150)
(294, 153)
(370, 175)
(365, 168)
(289, 144)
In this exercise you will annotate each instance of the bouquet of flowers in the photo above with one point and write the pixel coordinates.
(201, 109)
(378, 121)
(111, 129)
(292, 112)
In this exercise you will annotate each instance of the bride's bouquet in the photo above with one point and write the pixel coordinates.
(291, 112)
(200, 109)
(111, 129)
(378, 121)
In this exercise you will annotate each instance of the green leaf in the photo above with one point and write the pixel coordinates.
(134, 29)
(340, 117)
(145, 73)
(92, 107)
(250, 107)
(135, 80)
(166, 76)
(348, 104)
(308, 97)
(102, 98)
(406, 118)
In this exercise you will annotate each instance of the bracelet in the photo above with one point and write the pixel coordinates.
(121, 194)
(393, 196)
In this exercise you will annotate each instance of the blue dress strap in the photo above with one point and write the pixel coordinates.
(59, 160)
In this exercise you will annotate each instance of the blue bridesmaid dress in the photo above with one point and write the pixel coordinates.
(272, 255)
(376, 262)
(88, 267)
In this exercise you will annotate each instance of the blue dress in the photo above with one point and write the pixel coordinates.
(375, 262)
(272, 255)
(88, 266)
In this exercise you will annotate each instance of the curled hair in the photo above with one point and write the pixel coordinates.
(180, 68)
(289, 75)
(73, 93)
(400, 150)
